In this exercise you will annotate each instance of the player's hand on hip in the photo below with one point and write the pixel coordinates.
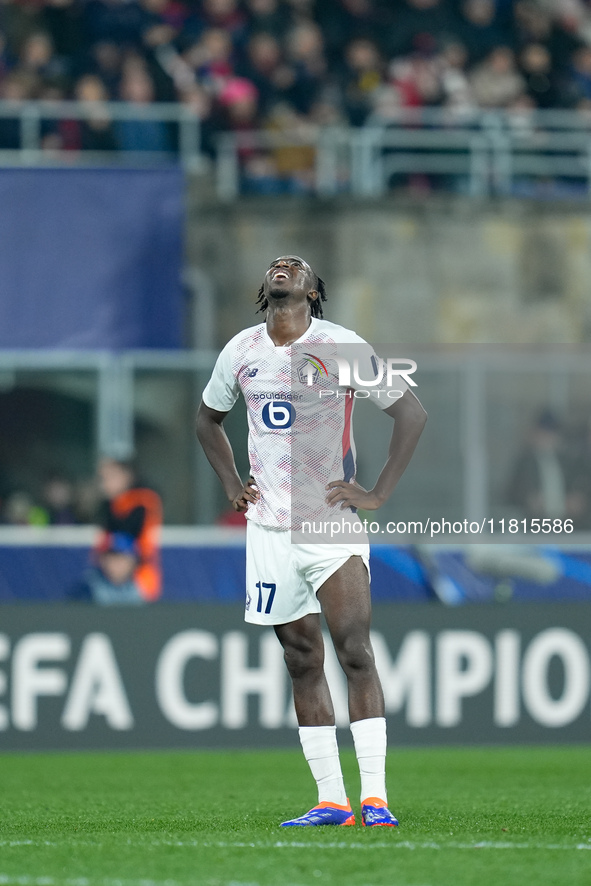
(249, 494)
(351, 495)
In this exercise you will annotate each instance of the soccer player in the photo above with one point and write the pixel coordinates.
(289, 584)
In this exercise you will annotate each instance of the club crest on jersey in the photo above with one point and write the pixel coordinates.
(310, 371)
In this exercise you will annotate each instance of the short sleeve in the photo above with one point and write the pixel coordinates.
(222, 389)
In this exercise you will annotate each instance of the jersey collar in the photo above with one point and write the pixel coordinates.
(309, 330)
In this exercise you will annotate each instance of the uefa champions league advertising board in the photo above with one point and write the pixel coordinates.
(182, 676)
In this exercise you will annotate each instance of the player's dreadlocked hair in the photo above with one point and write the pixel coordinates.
(315, 306)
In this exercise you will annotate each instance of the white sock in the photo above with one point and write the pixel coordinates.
(320, 748)
(369, 737)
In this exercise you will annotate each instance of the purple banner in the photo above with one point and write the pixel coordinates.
(91, 258)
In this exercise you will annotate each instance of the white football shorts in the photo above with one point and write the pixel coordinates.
(282, 578)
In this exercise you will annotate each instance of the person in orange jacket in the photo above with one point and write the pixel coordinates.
(126, 555)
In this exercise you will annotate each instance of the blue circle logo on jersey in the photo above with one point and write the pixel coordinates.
(277, 414)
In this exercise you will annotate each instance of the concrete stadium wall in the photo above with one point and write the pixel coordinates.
(427, 271)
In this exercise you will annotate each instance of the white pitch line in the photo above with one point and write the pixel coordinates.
(18, 880)
(370, 845)
(23, 880)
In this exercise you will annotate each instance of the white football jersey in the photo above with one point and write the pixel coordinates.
(296, 429)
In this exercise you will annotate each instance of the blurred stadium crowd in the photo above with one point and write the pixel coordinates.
(283, 64)
(56, 501)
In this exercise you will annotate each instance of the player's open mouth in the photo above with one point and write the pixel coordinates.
(280, 275)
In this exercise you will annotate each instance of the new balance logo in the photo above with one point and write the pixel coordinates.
(252, 373)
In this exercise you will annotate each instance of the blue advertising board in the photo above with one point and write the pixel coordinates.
(91, 258)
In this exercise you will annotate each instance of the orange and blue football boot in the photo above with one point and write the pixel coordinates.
(323, 814)
(375, 812)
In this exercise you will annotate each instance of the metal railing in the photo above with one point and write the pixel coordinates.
(479, 153)
(115, 381)
(31, 116)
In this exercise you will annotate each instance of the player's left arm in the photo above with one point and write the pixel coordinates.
(409, 421)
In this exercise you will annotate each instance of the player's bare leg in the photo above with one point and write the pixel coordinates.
(346, 602)
(303, 648)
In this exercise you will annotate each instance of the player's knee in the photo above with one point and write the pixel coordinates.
(302, 660)
(355, 655)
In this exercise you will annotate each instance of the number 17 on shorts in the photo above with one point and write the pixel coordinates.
(266, 595)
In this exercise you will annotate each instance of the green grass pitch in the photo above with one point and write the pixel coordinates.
(467, 818)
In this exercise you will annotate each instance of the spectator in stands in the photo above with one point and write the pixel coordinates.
(114, 21)
(56, 134)
(496, 82)
(211, 59)
(361, 76)
(126, 557)
(305, 56)
(581, 493)
(536, 67)
(294, 160)
(345, 20)
(58, 501)
(238, 106)
(418, 26)
(200, 102)
(268, 17)
(163, 21)
(4, 56)
(137, 88)
(225, 15)
(20, 509)
(62, 20)
(387, 103)
(264, 66)
(533, 23)
(580, 75)
(289, 51)
(417, 80)
(37, 57)
(478, 28)
(301, 11)
(520, 119)
(86, 500)
(16, 86)
(19, 20)
(541, 483)
(96, 132)
(237, 111)
(105, 61)
(456, 93)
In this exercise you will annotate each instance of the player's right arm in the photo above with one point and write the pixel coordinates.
(219, 396)
(220, 455)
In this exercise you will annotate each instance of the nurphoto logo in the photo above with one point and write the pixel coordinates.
(392, 367)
